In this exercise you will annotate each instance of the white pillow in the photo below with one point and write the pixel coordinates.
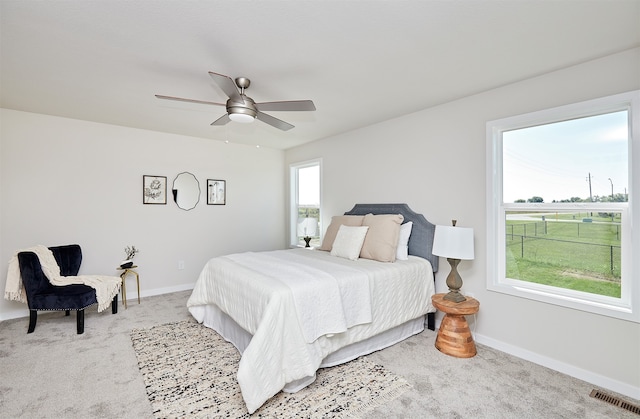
(349, 241)
(402, 252)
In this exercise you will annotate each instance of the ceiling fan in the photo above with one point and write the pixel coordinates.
(241, 108)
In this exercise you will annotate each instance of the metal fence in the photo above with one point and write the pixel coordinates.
(538, 242)
(587, 230)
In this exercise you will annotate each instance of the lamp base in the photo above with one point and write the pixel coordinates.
(455, 296)
(454, 282)
(307, 240)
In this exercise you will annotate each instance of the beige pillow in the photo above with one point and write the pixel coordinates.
(381, 242)
(348, 242)
(336, 222)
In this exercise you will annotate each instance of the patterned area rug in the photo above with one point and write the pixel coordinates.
(190, 371)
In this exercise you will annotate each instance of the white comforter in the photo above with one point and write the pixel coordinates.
(284, 349)
(307, 280)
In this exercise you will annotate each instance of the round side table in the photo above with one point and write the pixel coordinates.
(123, 275)
(454, 336)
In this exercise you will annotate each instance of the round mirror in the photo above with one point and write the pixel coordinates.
(186, 191)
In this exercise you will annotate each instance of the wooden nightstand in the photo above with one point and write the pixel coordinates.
(454, 336)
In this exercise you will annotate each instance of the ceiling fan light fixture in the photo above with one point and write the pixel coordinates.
(242, 110)
(241, 117)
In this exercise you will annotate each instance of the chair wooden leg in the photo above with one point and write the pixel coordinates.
(33, 318)
(80, 321)
(114, 305)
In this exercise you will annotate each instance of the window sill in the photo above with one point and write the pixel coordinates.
(575, 300)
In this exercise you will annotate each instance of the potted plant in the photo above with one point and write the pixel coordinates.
(130, 251)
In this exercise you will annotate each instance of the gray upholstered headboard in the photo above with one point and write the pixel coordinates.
(421, 240)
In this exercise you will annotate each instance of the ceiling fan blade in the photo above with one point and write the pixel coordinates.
(274, 122)
(287, 105)
(179, 99)
(227, 85)
(223, 120)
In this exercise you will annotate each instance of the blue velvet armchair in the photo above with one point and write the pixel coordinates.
(42, 295)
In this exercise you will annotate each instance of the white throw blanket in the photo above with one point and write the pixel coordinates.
(106, 287)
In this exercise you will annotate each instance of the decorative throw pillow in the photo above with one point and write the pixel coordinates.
(348, 242)
(332, 230)
(402, 252)
(382, 239)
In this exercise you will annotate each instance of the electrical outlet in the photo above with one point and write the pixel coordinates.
(180, 264)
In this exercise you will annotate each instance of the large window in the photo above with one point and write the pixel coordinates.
(560, 205)
(305, 203)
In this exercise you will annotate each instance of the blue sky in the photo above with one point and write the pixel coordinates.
(553, 161)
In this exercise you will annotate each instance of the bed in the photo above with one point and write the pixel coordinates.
(286, 331)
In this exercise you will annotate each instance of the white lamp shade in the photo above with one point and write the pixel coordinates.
(453, 242)
(307, 227)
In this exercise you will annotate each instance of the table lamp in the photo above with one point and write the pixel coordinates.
(453, 243)
(307, 228)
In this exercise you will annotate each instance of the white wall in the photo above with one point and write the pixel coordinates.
(67, 181)
(434, 160)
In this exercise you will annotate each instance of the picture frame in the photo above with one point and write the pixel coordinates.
(154, 190)
(216, 192)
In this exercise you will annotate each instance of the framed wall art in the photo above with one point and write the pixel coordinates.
(216, 192)
(154, 189)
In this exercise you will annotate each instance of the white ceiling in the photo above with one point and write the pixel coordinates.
(359, 61)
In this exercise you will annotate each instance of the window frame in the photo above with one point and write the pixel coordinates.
(293, 199)
(626, 307)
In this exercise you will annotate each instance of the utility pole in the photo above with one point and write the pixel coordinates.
(589, 180)
(590, 194)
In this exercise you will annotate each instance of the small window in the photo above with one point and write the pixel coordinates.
(559, 213)
(305, 203)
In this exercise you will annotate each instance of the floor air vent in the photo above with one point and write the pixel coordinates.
(615, 401)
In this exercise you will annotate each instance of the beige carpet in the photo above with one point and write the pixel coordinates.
(190, 371)
(55, 373)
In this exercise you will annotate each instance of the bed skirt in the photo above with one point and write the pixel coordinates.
(211, 316)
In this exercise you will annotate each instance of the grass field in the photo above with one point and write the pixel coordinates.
(563, 251)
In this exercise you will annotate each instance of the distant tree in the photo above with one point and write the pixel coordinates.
(572, 199)
(619, 197)
(535, 199)
(519, 201)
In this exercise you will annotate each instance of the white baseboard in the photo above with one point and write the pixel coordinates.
(16, 314)
(158, 291)
(573, 371)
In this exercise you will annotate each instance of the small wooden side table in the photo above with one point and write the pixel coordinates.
(454, 336)
(123, 275)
